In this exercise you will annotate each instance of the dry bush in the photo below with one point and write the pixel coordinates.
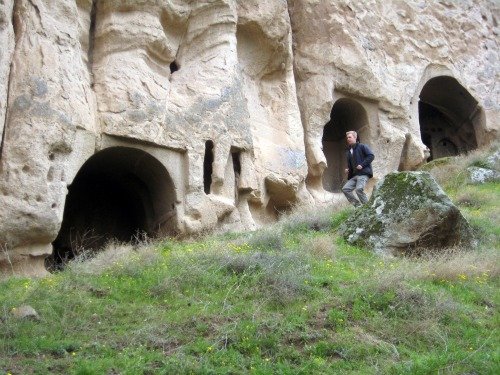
(311, 217)
(266, 240)
(456, 264)
(126, 257)
(371, 340)
(447, 265)
(320, 247)
(471, 199)
(279, 276)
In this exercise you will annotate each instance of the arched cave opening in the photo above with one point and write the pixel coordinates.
(449, 117)
(119, 194)
(346, 114)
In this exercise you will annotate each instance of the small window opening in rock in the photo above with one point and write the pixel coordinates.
(173, 67)
(236, 162)
(207, 166)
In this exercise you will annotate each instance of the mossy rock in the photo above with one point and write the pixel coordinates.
(407, 211)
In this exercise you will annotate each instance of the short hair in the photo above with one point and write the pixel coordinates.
(353, 133)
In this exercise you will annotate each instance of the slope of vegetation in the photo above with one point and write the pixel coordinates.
(291, 299)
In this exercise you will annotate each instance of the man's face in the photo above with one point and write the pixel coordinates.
(351, 139)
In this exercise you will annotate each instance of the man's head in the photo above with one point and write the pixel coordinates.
(351, 137)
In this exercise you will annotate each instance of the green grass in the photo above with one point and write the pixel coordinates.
(293, 299)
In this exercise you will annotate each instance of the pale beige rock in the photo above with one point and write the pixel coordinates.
(48, 102)
(172, 117)
(25, 312)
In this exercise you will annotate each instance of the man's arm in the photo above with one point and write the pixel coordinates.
(368, 156)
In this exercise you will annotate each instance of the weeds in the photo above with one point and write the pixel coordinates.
(303, 218)
(322, 248)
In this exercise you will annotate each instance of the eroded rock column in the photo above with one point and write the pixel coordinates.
(49, 100)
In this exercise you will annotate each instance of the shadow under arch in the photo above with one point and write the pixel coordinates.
(120, 193)
(347, 114)
(449, 117)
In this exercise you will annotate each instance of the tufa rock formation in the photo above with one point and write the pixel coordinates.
(164, 117)
(407, 211)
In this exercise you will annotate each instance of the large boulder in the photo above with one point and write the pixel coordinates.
(488, 171)
(478, 175)
(407, 211)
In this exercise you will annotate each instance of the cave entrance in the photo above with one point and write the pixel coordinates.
(119, 194)
(346, 114)
(448, 116)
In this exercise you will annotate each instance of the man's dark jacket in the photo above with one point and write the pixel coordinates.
(361, 155)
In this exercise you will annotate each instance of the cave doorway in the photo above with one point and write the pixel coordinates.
(449, 117)
(347, 114)
(120, 193)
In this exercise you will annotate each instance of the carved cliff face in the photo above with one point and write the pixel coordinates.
(133, 49)
(380, 57)
(192, 115)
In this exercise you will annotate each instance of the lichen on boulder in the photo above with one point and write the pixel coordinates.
(408, 211)
(478, 175)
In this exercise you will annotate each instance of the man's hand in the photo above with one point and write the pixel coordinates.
(346, 170)
(359, 167)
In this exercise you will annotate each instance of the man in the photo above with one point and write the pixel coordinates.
(359, 169)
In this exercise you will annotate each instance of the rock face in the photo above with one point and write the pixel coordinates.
(121, 117)
(407, 210)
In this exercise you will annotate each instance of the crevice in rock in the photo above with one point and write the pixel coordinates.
(16, 27)
(90, 52)
(16, 22)
(36, 8)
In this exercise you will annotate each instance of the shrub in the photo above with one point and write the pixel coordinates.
(267, 240)
(320, 247)
(315, 218)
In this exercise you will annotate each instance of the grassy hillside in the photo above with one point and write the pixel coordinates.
(291, 299)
